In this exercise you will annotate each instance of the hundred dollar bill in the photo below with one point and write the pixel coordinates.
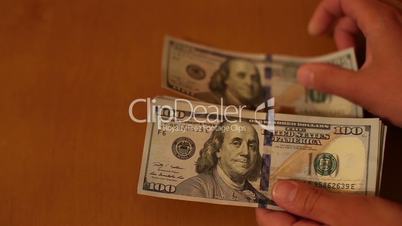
(207, 153)
(216, 76)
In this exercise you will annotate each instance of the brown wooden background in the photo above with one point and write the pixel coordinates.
(68, 70)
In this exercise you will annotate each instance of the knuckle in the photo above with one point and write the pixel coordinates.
(310, 201)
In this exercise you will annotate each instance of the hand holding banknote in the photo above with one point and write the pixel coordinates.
(208, 153)
(376, 87)
(242, 79)
(317, 205)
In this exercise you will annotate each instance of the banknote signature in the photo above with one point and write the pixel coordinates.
(167, 171)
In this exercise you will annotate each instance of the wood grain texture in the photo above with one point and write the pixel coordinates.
(68, 70)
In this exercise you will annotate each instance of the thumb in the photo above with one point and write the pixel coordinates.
(331, 79)
(313, 203)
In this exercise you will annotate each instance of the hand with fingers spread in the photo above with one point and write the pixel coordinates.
(377, 86)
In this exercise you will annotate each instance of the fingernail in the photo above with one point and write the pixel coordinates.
(305, 76)
(285, 191)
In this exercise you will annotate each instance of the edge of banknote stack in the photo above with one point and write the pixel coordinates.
(172, 150)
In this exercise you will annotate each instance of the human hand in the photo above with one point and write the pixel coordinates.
(377, 86)
(309, 206)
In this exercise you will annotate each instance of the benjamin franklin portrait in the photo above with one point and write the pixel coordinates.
(229, 160)
(237, 82)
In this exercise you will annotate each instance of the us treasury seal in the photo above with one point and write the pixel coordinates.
(183, 148)
(195, 71)
(325, 164)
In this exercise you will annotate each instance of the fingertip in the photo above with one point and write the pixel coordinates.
(313, 28)
(285, 192)
(305, 76)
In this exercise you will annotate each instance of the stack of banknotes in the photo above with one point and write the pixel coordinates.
(232, 141)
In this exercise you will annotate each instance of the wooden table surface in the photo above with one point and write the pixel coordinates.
(69, 69)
